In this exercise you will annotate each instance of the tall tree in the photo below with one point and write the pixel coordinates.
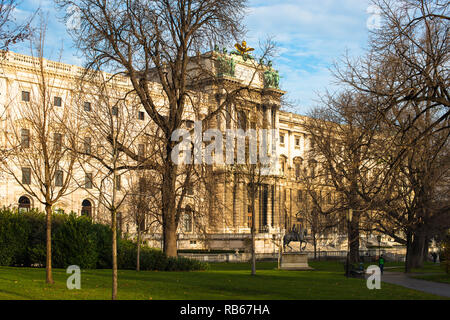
(108, 125)
(341, 155)
(159, 42)
(41, 139)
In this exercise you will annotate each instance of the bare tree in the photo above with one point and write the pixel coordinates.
(11, 32)
(406, 72)
(41, 137)
(160, 42)
(108, 125)
(343, 136)
(144, 206)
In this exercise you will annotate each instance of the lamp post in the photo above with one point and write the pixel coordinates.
(349, 220)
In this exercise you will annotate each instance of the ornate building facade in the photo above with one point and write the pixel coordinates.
(281, 200)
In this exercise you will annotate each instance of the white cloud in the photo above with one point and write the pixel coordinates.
(311, 35)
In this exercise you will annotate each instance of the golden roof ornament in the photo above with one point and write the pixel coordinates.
(243, 49)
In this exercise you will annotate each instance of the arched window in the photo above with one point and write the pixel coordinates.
(24, 204)
(86, 208)
(187, 219)
(298, 163)
(283, 165)
(242, 120)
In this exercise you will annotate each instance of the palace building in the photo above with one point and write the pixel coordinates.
(281, 199)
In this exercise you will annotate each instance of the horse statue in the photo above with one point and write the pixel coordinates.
(295, 236)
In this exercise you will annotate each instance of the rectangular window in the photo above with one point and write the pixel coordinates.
(300, 196)
(141, 115)
(142, 185)
(281, 138)
(26, 176)
(190, 190)
(87, 145)
(57, 101)
(87, 106)
(26, 96)
(297, 142)
(141, 150)
(25, 138)
(57, 138)
(88, 181)
(59, 178)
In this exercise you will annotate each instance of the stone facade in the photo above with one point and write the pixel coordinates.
(279, 198)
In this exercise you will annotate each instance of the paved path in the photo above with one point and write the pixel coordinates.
(399, 278)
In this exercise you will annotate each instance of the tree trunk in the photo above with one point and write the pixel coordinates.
(408, 252)
(169, 208)
(114, 254)
(253, 236)
(315, 246)
(353, 238)
(48, 265)
(138, 256)
(417, 249)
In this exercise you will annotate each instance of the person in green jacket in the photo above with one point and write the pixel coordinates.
(381, 263)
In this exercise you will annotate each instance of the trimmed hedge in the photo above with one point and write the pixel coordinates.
(153, 259)
(75, 241)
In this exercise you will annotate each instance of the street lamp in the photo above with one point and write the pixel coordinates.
(349, 220)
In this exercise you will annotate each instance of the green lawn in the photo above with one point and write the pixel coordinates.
(221, 282)
(428, 267)
(439, 277)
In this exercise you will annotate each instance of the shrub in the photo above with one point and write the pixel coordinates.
(75, 241)
(153, 259)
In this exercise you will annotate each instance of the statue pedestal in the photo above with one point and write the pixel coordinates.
(295, 261)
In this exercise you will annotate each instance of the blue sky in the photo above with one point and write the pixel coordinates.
(310, 36)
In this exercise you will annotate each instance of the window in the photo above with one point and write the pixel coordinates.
(282, 138)
(57, 138)
(86, 208)
(142, 185)
(298, 162)
(283, 162)
(118, 183)
(87, 106)
(190, 190)
(141, 115)
(312, 169)
(329, 198)
(115, 111)
(26, 176)
(141, 150)
(88, 181)
(25, 138)
(57, 101)
(297, 142)
(24, 204)
(299, 195)
(59, 178)
(26, 96)
(187, 220)
(87, 145)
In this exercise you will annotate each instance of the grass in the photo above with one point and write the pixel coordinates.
(221, 282)
(439, 277)
(428, 267)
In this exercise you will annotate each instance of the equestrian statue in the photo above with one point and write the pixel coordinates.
(295, 236)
